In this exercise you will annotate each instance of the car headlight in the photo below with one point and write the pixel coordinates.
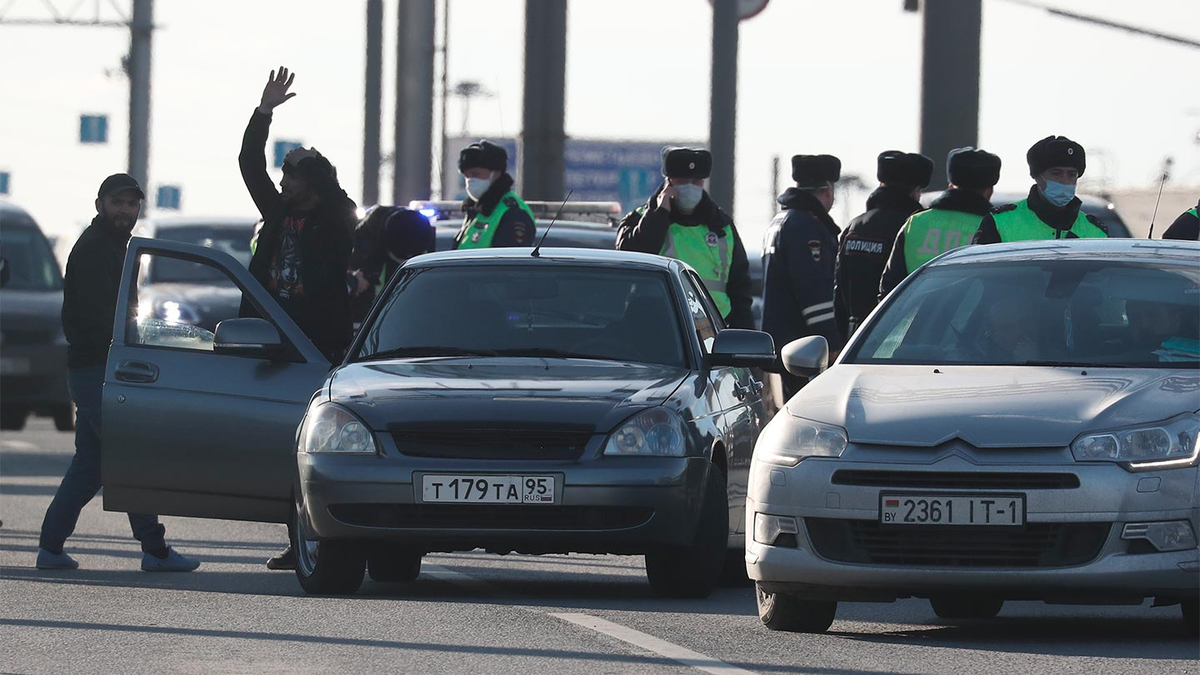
(788, 439)
(1153, 446)
(655, 432)
(331, 428)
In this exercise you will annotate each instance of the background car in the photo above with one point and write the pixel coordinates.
(33, 350)
(1016, 421)
(1093, 205)
(580, 401)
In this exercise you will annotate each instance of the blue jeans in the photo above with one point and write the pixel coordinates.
(82, 481)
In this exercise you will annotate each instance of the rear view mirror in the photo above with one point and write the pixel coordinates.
(248, 337)
(743, 349)
(806, 357)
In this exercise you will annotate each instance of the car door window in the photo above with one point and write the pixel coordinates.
(705, 318)
(184, 314)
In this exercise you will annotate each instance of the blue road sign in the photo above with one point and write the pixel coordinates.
(612, 171)
(93, 129)
(3, 182)
(282, 148)
(169, 197)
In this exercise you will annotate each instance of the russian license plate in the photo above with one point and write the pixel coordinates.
(487, 489)
(15, 365)
(950, 509)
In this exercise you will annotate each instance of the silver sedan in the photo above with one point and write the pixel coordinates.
(1015, 422)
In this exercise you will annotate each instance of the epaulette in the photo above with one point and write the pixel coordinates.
(1096, 221)
(510, 202)
(1004, 207)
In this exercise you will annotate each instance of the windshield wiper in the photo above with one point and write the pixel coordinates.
(1074, 364)
(401, 352)
(550, 352)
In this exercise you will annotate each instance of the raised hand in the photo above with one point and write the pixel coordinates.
(276, 91)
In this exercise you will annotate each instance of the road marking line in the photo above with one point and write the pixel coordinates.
(18, 445)
(652, 644)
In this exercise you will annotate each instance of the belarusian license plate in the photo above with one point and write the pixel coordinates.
(951, 509)
(487, 489)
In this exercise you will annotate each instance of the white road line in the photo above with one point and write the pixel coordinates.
(652, 644)
(18, 445)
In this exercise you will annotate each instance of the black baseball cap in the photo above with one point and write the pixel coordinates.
(119, 182)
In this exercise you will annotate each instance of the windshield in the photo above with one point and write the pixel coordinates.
(232, 240)
(544, 310)
(31, 263)
(1086, 313)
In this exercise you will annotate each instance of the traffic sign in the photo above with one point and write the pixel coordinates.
(169, 197)
(282, 148)
(93, 129)
(4, 182)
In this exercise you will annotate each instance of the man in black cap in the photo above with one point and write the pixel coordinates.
(1186, 226)
(952, 219)
(90, 290)
(386, 238)
(867, 241)
(799, 251)
(682, 221)
(496, 216)
(302, 252)
(1051, 211)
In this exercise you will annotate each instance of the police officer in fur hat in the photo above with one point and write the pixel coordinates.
(1051, 211)
(682, 221)
(496, 216)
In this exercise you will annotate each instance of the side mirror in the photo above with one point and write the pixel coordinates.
(247, 337)
(806, 357)
(743, 349)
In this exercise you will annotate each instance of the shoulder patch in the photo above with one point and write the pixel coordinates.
(1004, 207)
(510, 202)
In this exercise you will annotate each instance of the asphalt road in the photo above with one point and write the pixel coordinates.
(476, 613)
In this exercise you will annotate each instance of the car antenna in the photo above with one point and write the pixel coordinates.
(536, 253)
(1156, 201)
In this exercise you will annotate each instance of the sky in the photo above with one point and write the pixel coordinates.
(839, 77)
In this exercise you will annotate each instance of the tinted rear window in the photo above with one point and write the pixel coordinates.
(31, 264)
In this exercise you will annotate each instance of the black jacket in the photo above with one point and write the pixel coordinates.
(323, 312)
(799, 251)
(645, 230)
(516, 228)
(1060, 218)
(1186, 226)
(954, 199)
(863, 251)
(90, 289)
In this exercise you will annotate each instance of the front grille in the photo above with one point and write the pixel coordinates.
(450, 516)
(1033, 545)
(491, 442)
(957, 480)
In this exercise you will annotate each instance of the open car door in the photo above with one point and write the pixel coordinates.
(190, 429)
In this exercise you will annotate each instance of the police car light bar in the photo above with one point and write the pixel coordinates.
(608, 212)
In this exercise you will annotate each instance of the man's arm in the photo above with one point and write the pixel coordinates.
(1185, 227)
(987, 232)
(645, 230)
(516, 228)
(896, 268)
(741, 300)
(843, 305)
(252, 159)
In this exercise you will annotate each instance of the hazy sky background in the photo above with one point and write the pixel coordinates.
(816, 76)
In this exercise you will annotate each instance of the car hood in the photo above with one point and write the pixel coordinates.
(465, 391)
(991, 406)
(32, 309)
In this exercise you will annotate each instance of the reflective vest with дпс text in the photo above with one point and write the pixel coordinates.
(478, 232)
(1019, 223)
(709, 253)
(931, 233)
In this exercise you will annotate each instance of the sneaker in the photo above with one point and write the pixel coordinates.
(174, 562)
(284, 560)
(51, 561)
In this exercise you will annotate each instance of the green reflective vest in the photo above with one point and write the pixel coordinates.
(709, 253)
(1193, 212)
(1022, 224)
(478, 232)
(931, 233)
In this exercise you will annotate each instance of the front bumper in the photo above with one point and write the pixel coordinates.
(1089, 562)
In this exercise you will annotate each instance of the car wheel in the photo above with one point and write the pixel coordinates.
(64, 417)
(390, 562)
(785, 611)
(329, 567)
(13, 419)
(1191, 616)
(733, 573)
(693, 571)
(965, 607)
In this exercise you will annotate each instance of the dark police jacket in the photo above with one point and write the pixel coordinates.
(516, 228)
(799, 251)
(954, 199)
(863, 251)
(90, 290)
(1186, 226)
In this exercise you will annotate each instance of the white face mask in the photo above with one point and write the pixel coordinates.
(476, 187)
(689, 196)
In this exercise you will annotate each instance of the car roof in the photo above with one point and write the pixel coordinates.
(588, 256)
(12, 209)
(1141, 250)
(164, 222)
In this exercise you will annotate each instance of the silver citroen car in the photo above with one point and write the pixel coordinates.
(1014, 422)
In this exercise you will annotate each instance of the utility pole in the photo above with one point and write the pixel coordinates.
(373, 106)
(722, 129)
(141, 27)
(950, 80)
(416, 26)
(443, 192)
(542, 131)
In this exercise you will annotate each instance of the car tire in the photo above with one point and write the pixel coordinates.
(693, 571)
(13, 419)
(64, 417)
(787, 612)
(1191, 616)
(733, 573)
(392, 563)
(326, 567)
(966, 606)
